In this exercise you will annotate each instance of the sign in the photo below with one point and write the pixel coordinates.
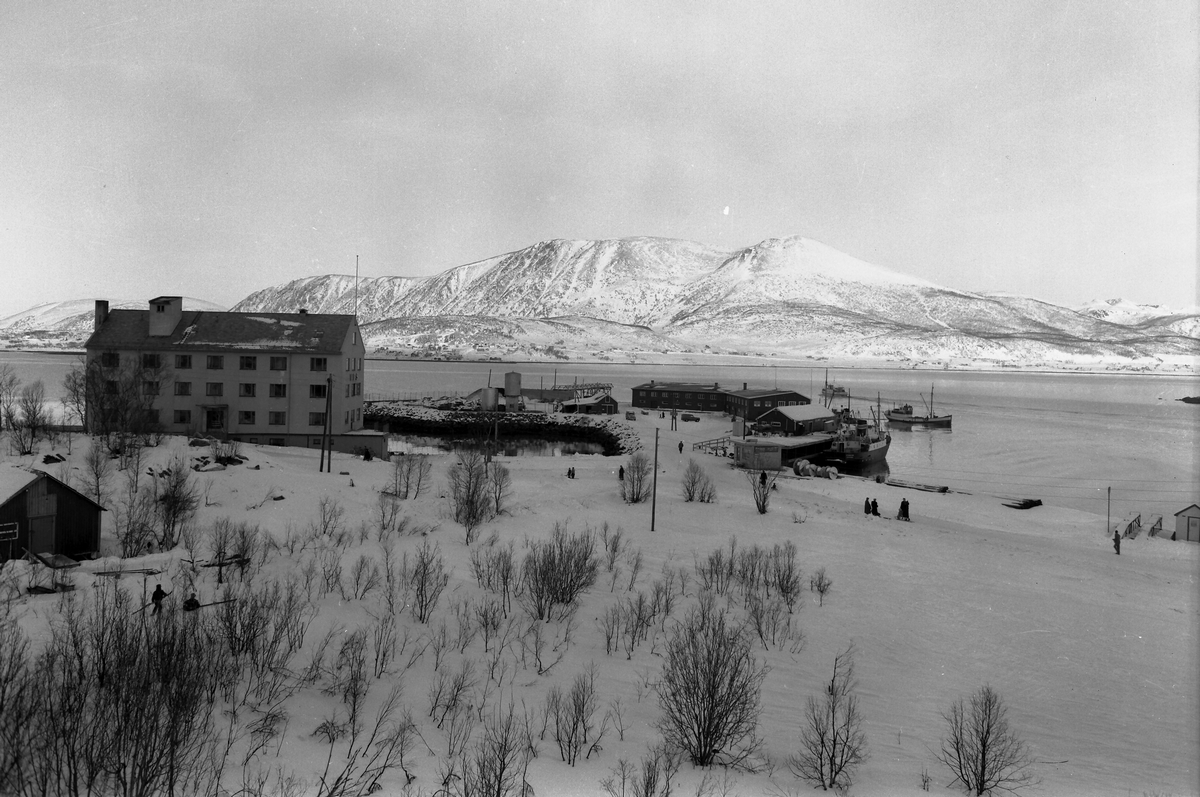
(8, 531)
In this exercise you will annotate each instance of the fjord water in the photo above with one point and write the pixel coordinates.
(1061, 437)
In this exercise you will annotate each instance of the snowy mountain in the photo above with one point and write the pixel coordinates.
(633, 297)
(789, 295)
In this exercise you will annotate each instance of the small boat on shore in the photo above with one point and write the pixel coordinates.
(831, 391)
(904, 415)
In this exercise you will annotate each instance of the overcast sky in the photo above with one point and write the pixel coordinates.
(214, 148)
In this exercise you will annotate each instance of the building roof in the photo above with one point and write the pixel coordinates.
(1186, 508)
(692, 386)
(595, 398)
(201, 330)
(758, 392)
(801, 412)
(13, 479)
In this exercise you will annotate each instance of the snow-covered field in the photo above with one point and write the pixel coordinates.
(1094, 654)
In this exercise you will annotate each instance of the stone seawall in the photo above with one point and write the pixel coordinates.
(406, 418)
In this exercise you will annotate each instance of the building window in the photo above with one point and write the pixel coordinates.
(183, 416)
(151, 361)
(756, 403)
(110, 359)
(277, 391)
(279, 363)
(654, 393)
(246, 363)
(246, 390)
(216, 362)
(317, 391)
(183, 388)
(347, 421)
(317, 363)
(275, 441)
(183, 362)
(214, 389)
(347, 390)
(316, 419)
(246, 417)
(149, 387)
(277, 418)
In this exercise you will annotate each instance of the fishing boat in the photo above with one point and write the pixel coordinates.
(857, 441)
(904, 415)
(831, 391)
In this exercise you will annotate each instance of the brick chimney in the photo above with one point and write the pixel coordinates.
(101, 312)
(165, 314)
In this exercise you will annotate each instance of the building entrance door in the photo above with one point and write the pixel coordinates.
(41, 534)
(1193, 531)
(214, 419)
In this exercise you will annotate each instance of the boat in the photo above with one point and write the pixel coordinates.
(831, 391)
(857, 441)
(904, 415)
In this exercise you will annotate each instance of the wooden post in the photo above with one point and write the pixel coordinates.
(654, 490)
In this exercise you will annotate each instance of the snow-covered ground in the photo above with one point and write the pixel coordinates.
(1095, 654)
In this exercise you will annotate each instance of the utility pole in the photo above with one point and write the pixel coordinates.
(327, 441)
(1108, 512)
(654, 489)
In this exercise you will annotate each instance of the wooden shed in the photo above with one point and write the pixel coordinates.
(42, 515)
(758, 454)
(596, 404)
(1187, 524)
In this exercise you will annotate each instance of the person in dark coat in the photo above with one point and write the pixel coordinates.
(904, 509)
(866, 506)
(1117, 542)
(874, 507)
(621, 473)
(157, 598)
(191, 604)
(680, 446)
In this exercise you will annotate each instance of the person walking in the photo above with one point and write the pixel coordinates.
(866, 506)
(904, 509)
(157, 598)
(621, 473)
(1117, 541)
(680, 446)
(874, 507)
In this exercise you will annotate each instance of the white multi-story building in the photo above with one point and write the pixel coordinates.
(254, 377)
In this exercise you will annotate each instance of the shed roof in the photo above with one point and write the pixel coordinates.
(801, 412)
(13, 479)
(595, 398)
(1186, 508)
(199, 330)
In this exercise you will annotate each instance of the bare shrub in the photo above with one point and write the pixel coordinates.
(709, 691)
(469, 497)
(427, 580)
(27, 417)
(697, 485)
(572, 716)
(410, 474)
(635, 487)
(97, 466)
(499, 761)
(820, 584)
(761, 485)
(832, 742)
(499, 486)
(176, 498)
(980, 748)
(556, 571)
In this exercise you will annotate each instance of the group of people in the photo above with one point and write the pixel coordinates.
(159, 594)
(871, 507)
(571, 473)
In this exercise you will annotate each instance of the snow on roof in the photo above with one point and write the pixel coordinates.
(802, 412)
(13, 479)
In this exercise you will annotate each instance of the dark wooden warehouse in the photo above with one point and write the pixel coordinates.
(40, 514)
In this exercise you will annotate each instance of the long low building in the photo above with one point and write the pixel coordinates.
(748, 403)
(799, 420)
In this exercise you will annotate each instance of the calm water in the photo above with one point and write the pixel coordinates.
(1063, 438)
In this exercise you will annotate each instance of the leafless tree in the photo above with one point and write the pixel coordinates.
(427, 579)
(497, 764)
(176, 498)
(10, 388)
(832, 742)
(556, 571)
(635, 487)
(980, 748)
(500, 487)
(697, 485)
(761, 485)
(469, 498)
(27, 418)
(710, 689)
(820, 584)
